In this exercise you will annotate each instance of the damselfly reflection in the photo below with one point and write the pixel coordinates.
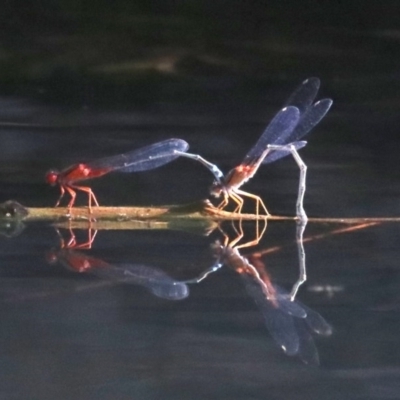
(153, 279)
(279, 139)
(289, 322)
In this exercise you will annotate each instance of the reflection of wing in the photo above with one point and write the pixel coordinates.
(282, 329)
(307, 350)
(278, 315)
(289, 322)
(316, 323)
(159, 283)
(277, 300)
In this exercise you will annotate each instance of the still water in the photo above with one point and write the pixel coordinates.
(103, 333)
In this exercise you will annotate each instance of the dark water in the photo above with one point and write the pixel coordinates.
(67, 334)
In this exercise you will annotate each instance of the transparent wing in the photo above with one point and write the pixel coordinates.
(142, 159)
(275, 155)
(279, 315)
(304, 95)
(307, 350)
(317, 323)
(282, 329)
(309, 116)
(314, 323)
(281, 299)
(308, 120)
(154, 279)
(290, 323)
(281, 125)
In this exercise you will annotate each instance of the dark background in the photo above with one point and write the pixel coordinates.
(83, 79)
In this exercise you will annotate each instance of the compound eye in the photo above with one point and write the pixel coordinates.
(216, 189)
(52, 177)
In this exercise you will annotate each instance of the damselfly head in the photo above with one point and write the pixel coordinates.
(217, 248)
(216, 189)
(52, 177)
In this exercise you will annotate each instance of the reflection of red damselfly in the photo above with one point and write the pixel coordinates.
(280, 138)
(290, 323)
(152, 278)
(142, 159)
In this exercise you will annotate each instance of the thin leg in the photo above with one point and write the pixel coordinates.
(258, 237)
(224, 202)
(62, 241)
(256, 198)
(61, 195)
(211, 167)
(258, 202)
(301, 226)
(90, 193)
(234, 196)
(238, 200)
(226, 239)
(302, 180)
(234, 229)
(239, 236)
(73, 197)
(91, 238)
(72, 241)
